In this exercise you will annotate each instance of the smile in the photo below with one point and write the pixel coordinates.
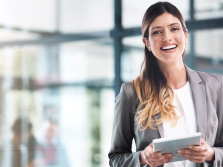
(168, 47)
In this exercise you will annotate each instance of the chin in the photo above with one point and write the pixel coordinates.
(171, 60)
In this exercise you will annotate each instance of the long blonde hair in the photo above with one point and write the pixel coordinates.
(151, 86)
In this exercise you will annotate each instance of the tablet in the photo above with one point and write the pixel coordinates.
(173, 144)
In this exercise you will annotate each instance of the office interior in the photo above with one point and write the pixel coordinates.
(62, 63)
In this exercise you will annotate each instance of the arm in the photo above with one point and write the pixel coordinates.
(218, 146)
(120, 154)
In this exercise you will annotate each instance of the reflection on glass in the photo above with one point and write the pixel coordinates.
(56, 105)
(23, 144)
(52, 150)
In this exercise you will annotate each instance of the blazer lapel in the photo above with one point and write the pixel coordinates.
(160, 126)
(199, 99)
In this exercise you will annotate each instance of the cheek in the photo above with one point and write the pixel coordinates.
(181, 38)
(155, 43)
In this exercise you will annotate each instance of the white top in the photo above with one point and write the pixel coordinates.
(185, 124)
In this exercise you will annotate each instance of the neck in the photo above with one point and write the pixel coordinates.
(175, 74)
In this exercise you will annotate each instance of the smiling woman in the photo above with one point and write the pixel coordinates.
(167, 99)
(167, 36)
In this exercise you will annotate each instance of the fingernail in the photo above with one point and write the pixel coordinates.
(179, 151)
(190, 146)
(169, 155)
(173, 157)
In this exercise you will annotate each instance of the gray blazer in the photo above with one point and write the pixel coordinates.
(207, 94)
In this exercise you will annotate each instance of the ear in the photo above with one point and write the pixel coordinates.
(186, 36)
(146, 42)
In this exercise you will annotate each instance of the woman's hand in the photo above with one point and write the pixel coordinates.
(147, 156)
(198, 154)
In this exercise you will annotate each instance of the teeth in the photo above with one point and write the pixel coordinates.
(169, 47)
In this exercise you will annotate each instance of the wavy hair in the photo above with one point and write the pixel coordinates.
(151, 86)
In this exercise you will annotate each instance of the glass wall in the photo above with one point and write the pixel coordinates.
(56, 104)
(206, 9)
(134, 10)
(86, 15)
(209, 51)
(65, 16)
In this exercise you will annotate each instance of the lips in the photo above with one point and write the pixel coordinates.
(169, 47)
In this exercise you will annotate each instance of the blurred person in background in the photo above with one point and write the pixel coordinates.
(53, 151)
(168, 99)
(24, 144)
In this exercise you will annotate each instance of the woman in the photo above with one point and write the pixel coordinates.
(167, 99)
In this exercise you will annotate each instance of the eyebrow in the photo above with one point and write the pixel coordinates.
(169, 25)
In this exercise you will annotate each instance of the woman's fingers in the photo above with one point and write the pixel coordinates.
(153, 155)
(198, 148)
(194, 158)
(155, 158)
(161, 158)
(154, 164)
(192, 152)
(196, 154)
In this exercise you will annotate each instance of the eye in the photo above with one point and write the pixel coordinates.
(174, 29)
(156, 32)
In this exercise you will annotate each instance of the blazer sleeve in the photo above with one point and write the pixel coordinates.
(120, 154)
(218, 146)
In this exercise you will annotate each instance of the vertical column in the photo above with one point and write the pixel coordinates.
(192, 59)
(117, 44)
(118, 52)
(192, 10)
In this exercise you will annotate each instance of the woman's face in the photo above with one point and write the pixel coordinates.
(166, 39)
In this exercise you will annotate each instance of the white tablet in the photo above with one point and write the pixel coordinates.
(173, 144)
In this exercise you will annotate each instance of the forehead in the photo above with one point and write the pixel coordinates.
(164, 20)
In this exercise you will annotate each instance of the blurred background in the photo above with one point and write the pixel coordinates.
(62, 63)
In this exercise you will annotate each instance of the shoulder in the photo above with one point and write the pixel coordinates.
(129, 90)
(213, 84)
(128, 95)
(203, 78)
(210, 79)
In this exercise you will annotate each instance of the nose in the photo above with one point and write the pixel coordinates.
(167, 36)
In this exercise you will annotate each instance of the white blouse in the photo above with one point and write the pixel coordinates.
(185, 124)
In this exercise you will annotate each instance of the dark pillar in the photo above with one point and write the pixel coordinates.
(117, 44)
(191, 61)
